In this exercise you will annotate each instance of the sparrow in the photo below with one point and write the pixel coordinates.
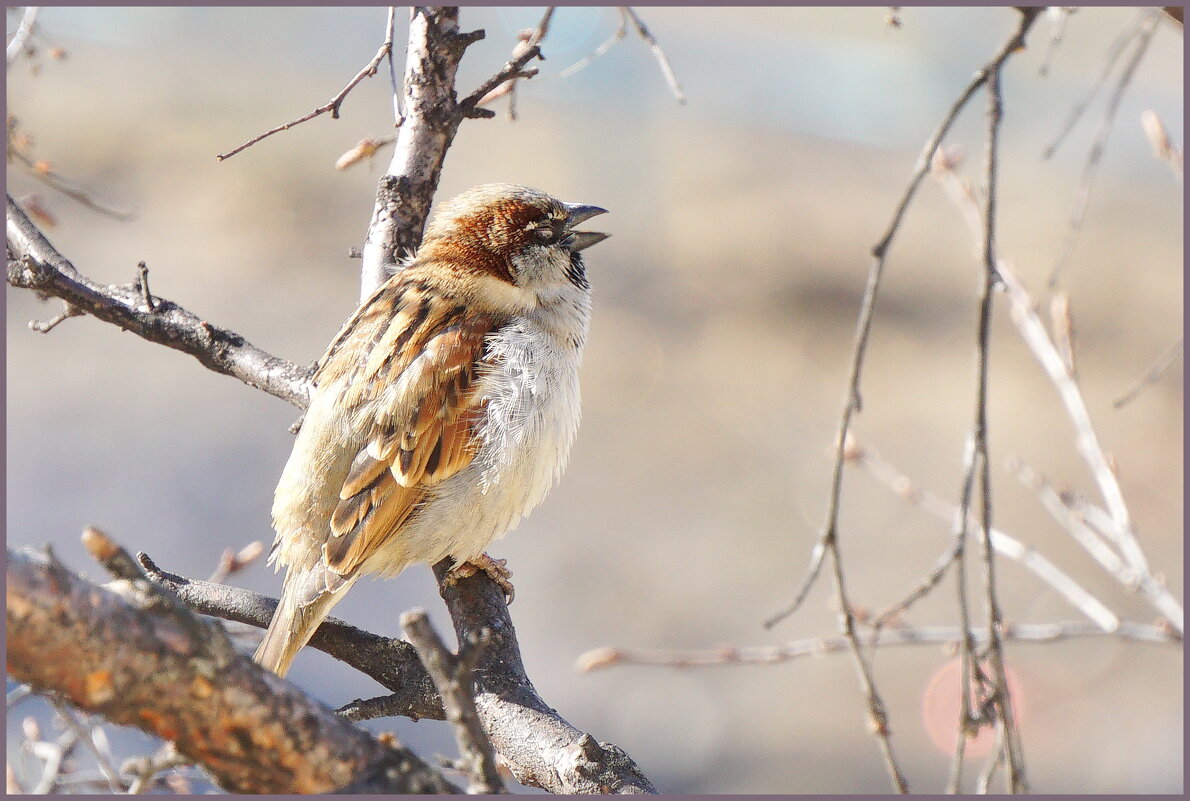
(442, 412)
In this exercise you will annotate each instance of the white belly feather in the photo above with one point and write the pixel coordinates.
(531, 419)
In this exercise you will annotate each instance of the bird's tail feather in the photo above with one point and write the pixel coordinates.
(298, 616)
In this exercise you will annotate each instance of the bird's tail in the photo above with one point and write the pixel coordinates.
(298, 616)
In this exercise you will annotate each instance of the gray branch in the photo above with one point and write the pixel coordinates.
(34, 263)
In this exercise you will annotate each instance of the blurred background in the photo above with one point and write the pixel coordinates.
(725, 305)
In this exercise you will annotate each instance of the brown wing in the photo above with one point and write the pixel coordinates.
(416, 383)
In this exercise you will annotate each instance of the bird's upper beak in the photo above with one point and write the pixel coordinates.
(579, 240)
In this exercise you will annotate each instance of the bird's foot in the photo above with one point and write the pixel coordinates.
(495, 568)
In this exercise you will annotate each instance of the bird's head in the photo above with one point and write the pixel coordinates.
(519, 235)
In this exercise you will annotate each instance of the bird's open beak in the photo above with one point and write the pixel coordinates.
(580, 240)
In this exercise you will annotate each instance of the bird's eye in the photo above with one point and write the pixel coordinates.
(545, 235)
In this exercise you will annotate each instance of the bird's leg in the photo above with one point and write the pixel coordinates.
(495, 568)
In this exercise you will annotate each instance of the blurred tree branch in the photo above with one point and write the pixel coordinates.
(177, 677)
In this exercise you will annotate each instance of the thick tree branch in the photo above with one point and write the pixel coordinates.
(432, 115)
(253, 731)
(391, 662)
(541, 748)
(34, 263)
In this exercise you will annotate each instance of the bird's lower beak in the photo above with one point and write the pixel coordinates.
(581, 240)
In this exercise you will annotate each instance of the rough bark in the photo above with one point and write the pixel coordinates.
(161, 669)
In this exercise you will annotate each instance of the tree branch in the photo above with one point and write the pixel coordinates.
(540, 747)
(35, 264)
(455, 679)
(607, 656)
(391, 662)
(431, 119)
(253, 731)
(331, 105)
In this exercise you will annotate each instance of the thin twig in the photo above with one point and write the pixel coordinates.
(946, 636)
(1001, 693)
(1008, 546)
(510, 71)
(853, 401)
(41, 171)
(968, 663)
(1151, 375)
(20, 39)
(606, 45)
(332, 105)
(85, 735)
(1059, 16)
(53, 755)
(530, 37)
(45, 326)
(829, 539)
(659, 54)
(455, 680)
(1095, 155)
(390, 27)
(146, 770)
(1114, 50)
(1118, 525)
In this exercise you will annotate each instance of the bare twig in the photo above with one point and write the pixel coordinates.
(1151, 375)
(232, 562)
(511, 71)
(1163, 146)
(1117, 524)
(1093, 529)
(331, 105)
(528, 38)
(142, 283)
(146, 770)
(606, 45)
(1004, 544)
(829, 539)
(853, 401)
(1058, 16)
(53, 755)
(390, 27)
(1114, 51)
(86, 736)
(533, 739)
(946, 636)
(431, 117)
(540, 747)
(1001, 696)
(659, 54)
(20, 39)
(43, 172)
(42, 268)
(1095, 155)
(453, 676)
(46, 326)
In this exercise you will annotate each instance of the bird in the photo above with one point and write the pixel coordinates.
(442, 412)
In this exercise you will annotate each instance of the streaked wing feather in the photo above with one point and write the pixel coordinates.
(423, 428)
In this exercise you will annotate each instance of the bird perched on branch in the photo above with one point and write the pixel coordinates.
(442, 412)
